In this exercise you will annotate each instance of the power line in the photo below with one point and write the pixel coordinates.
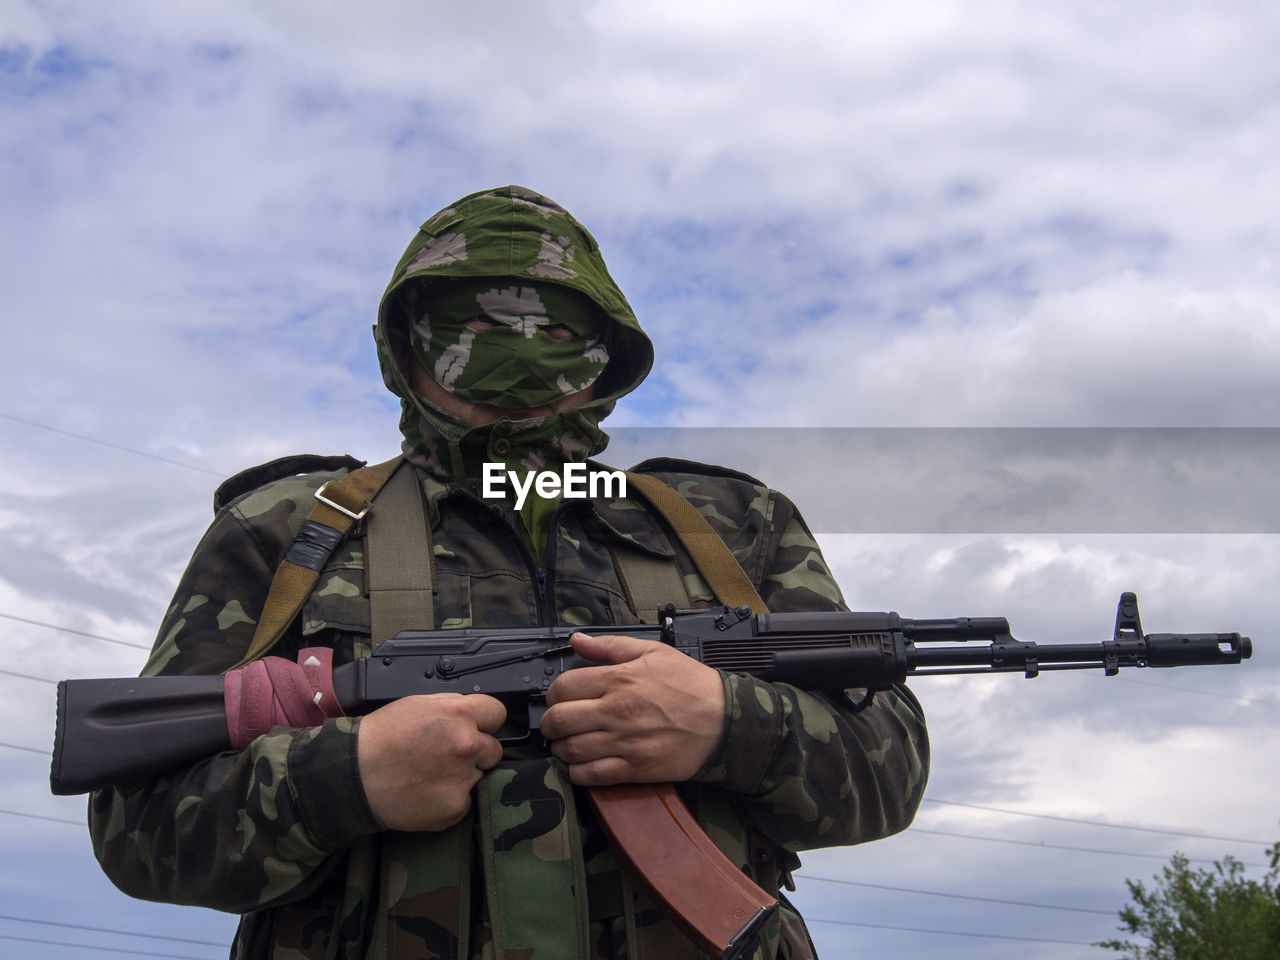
(1093, 823)
(79, 633)
(1203, 693)
(14, 746)
(1058, 846)
(94, 946)
(954, 896)
(26, 676)
(123, 933)
(37, 816)
(913, 830)
(106, 443)
(949, 933)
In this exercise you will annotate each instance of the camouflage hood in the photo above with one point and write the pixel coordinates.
(512, 234)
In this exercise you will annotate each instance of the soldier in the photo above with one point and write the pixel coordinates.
(410, 832)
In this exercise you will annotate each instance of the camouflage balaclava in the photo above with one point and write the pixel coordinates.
(509, 237)
(507, 346)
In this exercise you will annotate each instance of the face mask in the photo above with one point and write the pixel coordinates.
(508, 345)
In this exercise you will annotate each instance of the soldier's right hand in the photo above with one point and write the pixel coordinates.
(420, 756)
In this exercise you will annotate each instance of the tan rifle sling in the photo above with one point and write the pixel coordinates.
(724, 575)
(340, 504)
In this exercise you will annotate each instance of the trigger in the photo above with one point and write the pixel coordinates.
(537, 707)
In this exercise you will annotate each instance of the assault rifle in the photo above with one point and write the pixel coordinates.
(113, 731)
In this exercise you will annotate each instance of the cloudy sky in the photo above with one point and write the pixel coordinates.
(867, 239)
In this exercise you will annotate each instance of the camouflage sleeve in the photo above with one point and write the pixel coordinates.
(247, 829)
(810, 769)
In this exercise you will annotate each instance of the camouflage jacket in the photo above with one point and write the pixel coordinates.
(282, 833)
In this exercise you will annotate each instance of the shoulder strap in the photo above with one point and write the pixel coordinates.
(649, 582)
(339, 505)
(724, 575)
(400, 563)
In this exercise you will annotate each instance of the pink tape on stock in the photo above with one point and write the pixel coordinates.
(275, 692)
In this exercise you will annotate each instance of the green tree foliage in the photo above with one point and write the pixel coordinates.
(1215, 914)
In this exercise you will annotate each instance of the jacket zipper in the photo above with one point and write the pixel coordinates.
(546, 612)
(542, 575)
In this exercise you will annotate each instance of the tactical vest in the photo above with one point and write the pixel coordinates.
(528, 897)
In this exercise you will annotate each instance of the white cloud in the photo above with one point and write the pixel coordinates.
(936, 213)
(24, 29)
(1122, 351)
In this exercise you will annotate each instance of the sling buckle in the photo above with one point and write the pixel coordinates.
(319, 495)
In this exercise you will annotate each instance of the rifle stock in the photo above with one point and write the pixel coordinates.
(116, 730)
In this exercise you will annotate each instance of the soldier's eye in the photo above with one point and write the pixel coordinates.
(480, 324)
(558, 331)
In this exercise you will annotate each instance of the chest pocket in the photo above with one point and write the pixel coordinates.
(337, 601)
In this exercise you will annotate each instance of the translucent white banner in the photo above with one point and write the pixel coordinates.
(996, 480)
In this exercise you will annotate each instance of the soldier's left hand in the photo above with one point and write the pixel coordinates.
(649, 714)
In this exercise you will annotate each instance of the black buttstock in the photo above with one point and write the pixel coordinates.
(112, 731)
